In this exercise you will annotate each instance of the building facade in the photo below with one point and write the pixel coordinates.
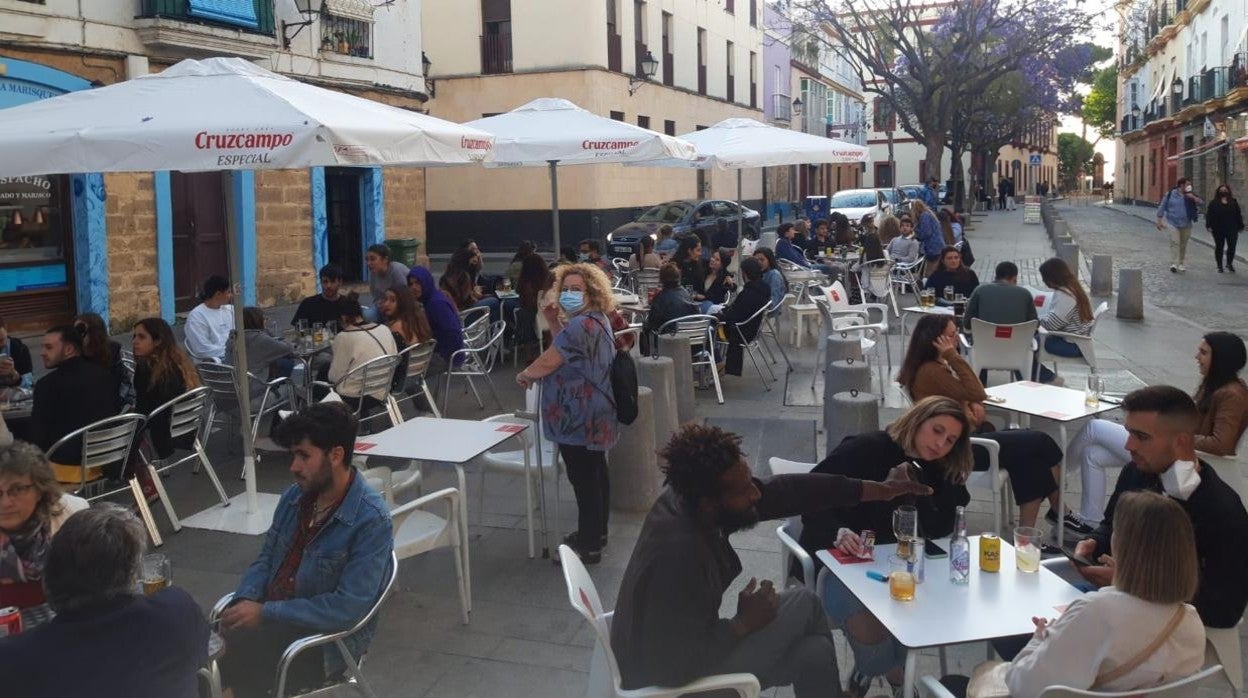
(1182, 97)
(129, 246)
(491, 56)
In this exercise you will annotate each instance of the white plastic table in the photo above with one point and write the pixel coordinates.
(1059, 404)
(454, 441)
(992, 605)
(918, 310)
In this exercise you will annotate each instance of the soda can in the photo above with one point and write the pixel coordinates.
(919, 568)
(10, 621)
(868, 543)
(989, 552)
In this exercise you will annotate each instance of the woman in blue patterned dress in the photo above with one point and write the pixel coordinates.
(577, 405)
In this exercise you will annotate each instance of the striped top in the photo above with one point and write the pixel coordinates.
(1063, 315)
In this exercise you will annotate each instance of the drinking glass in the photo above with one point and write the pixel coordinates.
(1095, 389)
(157, 573)
(506, 284)
(901, 579)
(905, 528)
(1027, 548)
(949, 293)
(318, 333)
(303, 328)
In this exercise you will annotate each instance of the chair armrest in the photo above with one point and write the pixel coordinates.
(448, 493)
(797, 551)
(745, 685)
(1066, 335)
(218, 608)
(931, 687)
(965, 341)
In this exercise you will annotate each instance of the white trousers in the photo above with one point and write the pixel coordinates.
(1099, 446)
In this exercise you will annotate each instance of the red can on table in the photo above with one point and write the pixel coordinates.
(10, 621)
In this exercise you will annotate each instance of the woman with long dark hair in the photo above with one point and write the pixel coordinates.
(1070, 311)
(688, 258)
(1224, 220)
(772, 274)
(98, 348)
(405, 317)
(162, 371)
(932, 366)
(1221, 399)
(953, 272)
(714, 288)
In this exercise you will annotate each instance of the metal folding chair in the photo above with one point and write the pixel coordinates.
(700, 331)
(187, 416)
(418, 358)
(369, 378)
(481, 350)
(753, 344)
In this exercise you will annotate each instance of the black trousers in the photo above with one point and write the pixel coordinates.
(251, 656)
(1224, 240)
(587, 471)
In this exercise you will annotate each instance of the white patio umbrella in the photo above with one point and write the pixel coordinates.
(224, 114)
(552, 132)
(736, 144)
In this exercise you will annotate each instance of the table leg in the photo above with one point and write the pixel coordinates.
(1059, 529)
(907, 685)
(463, 509)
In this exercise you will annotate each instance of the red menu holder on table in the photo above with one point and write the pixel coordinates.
(846, 558)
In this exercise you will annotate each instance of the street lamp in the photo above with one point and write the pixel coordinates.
(1135, 112)
(797, 106)
(1176, 87)
(649, 66)
(307, 8)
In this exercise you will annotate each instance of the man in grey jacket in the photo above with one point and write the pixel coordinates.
(1174, 212)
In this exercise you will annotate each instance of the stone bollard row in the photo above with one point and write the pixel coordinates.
(1102, 275)
(677, 349)
(848, 414)
(1068, 252)
(656, 373)
(1130, 294)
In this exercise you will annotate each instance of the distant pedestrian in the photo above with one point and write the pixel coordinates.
(1178, 211)
(1224, 220)
(1009, 193)
(1002, 187)
(931, 193)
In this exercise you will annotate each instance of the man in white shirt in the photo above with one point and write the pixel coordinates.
(208, 325)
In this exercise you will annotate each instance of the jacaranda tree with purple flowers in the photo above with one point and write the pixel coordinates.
(926, 60)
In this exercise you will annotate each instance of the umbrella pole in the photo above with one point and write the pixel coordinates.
(554, 202)
(741, 213)
(234, 247)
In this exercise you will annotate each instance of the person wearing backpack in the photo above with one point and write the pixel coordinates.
(1178, 210)
(578, 404)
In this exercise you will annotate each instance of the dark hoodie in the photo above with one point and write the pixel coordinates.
(441, 311)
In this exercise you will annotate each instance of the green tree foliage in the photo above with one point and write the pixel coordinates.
(1100, 106)
(1073, 154)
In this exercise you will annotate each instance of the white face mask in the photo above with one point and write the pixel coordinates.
(1187, 188)
(1181, 479)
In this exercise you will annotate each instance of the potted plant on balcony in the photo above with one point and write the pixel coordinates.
(344, 46)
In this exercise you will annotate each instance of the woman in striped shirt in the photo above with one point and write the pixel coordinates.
(1070, 311)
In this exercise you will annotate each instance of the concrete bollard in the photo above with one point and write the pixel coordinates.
(1069, 253)
(656, 374)
(1130, 294)
(633, 462)
(843, 345)
(1102, 275)
(849, 414)
(677, 349)
(842, 377)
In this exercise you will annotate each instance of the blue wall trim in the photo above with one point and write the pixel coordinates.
(90, 245)
(164, 244)
(244, 185)
(372, 210)
(43, 75)
(320, 224)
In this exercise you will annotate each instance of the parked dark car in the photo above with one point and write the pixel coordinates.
(685, 216)
(914, 191)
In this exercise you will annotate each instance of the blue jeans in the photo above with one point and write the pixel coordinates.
(869, 660)
(1058, 346)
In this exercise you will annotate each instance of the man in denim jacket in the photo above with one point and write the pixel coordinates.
(1176, 212)
(322, 565)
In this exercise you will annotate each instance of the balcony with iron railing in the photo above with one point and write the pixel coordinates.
(184, 11)
(1194, 92)
(496, 53)
(781, 108)
(196, 27)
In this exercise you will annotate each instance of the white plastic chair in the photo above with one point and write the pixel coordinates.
(930, 687)
(1226, 648)
(604, 671)
(187, 416)
(1084, 342)
(996, 481)
(1003, 347)
(854, 319)
(353, 675)
(700, 331)
(876, 278)
(522, 462)
(418, 530)
(791, 530)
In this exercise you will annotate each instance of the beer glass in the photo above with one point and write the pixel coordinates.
(905, 529)
(1027, 548)
(901, 579)
(157, 573)
(1095, 389)
(949, 293)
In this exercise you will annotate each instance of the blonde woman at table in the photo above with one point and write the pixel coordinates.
(1140, 632)
(577, 403)
(1221, 400)
(934, 434)
(932, 366)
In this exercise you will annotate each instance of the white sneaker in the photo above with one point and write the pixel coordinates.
(1182, 269)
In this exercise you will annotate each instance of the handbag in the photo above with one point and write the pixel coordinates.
(988, 679)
